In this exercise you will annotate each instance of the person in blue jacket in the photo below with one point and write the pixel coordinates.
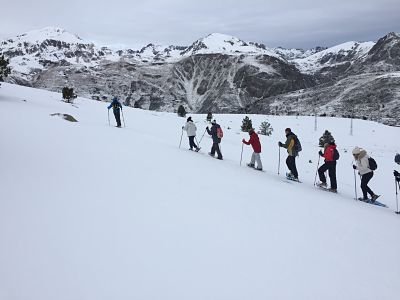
(116, 106)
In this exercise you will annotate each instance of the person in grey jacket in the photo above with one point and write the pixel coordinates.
(190, 129)
(216, 140)
(362, 165)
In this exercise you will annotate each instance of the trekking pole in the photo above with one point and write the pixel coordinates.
(202, 136)
(108, 117)
(397, 197)
(198, 145)
(279, 160)
(123, 119)
(316, 172)
(241, 156)
(181, 139)
(355, 184)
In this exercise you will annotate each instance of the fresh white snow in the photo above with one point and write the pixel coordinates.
(90, 211)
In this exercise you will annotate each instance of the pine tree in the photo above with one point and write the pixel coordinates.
(181, 111)
(326, 138)
(246, 124)
(209, 117)
(68, 94)
(5, 70)
(266, 128)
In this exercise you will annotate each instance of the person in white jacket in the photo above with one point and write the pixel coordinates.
(190, 129)
(362, 165)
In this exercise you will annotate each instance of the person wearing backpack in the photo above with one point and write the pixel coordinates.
(254, 141)
(331, 155)
(190, 129)
(292, 150)
(363, 165)
(116, 106)
(216, 134)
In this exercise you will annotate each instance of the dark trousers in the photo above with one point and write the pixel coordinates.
(364, 184)
(329, 166)
(192, 144)
(117, 117)
(215, 147)
(291, 164)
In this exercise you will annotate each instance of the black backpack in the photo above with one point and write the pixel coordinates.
(297, 144)
(372, 164)
(336, 154)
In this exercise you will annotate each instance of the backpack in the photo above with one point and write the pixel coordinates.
(297, 144)
(220, 133)
(372, 164)
(336, 154)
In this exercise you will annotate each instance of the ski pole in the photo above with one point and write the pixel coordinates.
(316, 172)
(241, 155)
(279, 160)
(197, 141)
(355, 184)
(108, 117)
(181, 139)
(123, 119)
(202, 136)
(397, 197)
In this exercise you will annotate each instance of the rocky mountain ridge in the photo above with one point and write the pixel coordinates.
(217, 73)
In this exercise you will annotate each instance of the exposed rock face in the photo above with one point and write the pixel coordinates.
(217, 73)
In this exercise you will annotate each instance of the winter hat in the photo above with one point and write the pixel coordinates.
(397, 159)
(356, 150)
(189, 119)
(251, 130)
(288, 130)
(214, 121)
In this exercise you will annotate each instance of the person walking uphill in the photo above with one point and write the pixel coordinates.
(190, 129)
(116, 106)
(362, 165)
(331, 155)
(290, 145)
(216, 134)
(254, 141)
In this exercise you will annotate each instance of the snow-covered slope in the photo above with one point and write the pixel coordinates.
(225, 44)
(331, 57)
(89, 211)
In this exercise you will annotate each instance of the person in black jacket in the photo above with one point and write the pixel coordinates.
(116, 106)
(216, 140)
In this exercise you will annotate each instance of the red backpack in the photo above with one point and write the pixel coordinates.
(220, 133)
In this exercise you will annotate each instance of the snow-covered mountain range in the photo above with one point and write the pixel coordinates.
(217, 73)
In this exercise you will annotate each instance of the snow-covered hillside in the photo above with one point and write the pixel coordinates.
(334, 56)
(90, 211)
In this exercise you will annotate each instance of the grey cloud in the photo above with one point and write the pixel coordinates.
(285, 23)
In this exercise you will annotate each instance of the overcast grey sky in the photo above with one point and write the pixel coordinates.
(295, 23)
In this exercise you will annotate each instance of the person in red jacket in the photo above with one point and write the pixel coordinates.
(331, 155)
(254, 141)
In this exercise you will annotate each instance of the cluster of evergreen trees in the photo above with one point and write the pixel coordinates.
(5, 70)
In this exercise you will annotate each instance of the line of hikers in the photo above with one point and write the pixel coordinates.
(363, 163)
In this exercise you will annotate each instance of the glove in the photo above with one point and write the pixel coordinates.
(243, 141)
(354, 167)
(396, 174)
(183, 127)
(207, 128)
(320, 153)
(280, 144)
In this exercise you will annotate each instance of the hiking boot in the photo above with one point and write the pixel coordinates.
(363, 199)
(259, 169)
(374, 197)
(209, 153)
(197, 149)
(332, 190)
(322, 184)
(250, 165)
(191, 149)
